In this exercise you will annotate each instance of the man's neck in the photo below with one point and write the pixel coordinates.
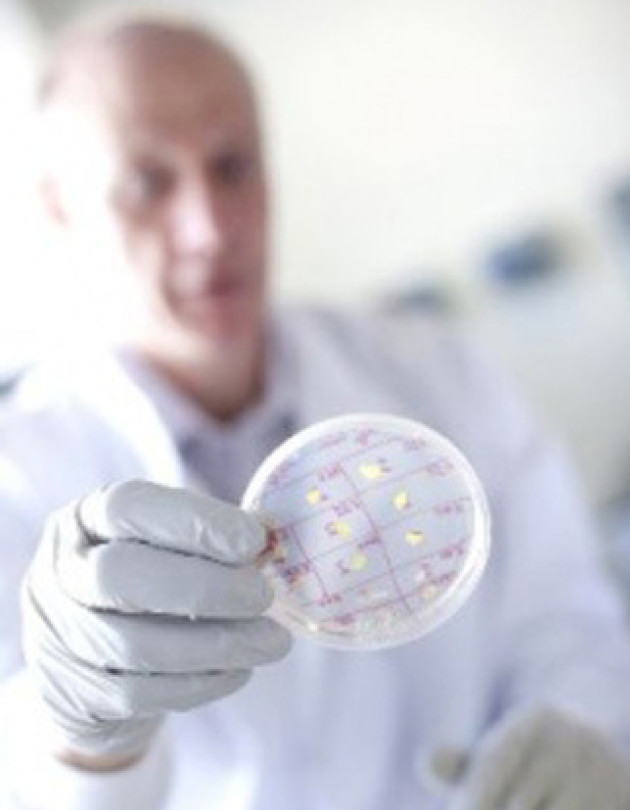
(221, 382)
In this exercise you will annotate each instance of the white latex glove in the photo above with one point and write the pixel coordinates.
(539, 760)
(143, 599)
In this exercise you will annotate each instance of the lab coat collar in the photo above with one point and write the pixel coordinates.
(107, 402)
(187, 422)
(330, 377)
(314, 374)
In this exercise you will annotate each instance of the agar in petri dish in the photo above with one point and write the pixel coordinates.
(379, 530)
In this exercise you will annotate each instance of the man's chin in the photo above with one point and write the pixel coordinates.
(225, 325)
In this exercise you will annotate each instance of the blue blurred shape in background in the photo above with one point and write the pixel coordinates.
(524, 260)
(618, 206)
(420, 296)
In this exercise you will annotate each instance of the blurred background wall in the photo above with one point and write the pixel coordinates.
(467, 155)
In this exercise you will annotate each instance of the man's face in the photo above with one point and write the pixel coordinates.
(171, 187)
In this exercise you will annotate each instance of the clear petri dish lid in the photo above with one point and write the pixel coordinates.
(379, 530)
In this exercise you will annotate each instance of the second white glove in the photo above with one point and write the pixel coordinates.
(144, 599)
(539, 760)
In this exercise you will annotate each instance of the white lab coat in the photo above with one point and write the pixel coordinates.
(328, 729)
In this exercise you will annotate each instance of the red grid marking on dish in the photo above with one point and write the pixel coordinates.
(311, 564)
(441, 580)
(429, 467)
(375, 529)
(457, 548)
(390, 479)
(279, 484)
(439, 508)
(440, 466)
(367, 540)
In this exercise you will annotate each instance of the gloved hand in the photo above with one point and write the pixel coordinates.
(539, 760)
(143, 599)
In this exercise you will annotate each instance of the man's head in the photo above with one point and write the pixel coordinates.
(154, 162)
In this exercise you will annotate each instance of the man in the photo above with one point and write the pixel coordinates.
(144, 600)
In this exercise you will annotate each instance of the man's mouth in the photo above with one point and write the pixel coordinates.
(199, 287)
(222, 287)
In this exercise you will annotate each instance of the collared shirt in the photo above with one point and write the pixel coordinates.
(220, 458)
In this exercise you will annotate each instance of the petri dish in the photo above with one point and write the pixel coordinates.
(379, 530)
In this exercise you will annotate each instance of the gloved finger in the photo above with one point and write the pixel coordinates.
(139, 578)
(534, 790)
(531, 788)
(90, 696)
(177, 519)
(538, 786)
(531, 799)
(137, 694)
(154, 644)
(498, 768)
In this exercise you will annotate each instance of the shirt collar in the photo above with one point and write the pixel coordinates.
(188, 423)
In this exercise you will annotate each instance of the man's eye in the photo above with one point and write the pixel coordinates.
(232, 169)
(147, 185)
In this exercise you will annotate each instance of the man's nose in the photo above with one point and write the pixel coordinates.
(197, 221)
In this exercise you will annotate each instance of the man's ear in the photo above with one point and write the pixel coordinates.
(52, 202)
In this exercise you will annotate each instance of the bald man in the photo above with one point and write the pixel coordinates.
(128, 670)
(171, 152)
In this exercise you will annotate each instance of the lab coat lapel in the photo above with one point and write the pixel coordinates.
(124, 411)
(330, 384)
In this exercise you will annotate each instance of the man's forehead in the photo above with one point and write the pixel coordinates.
(144, 95)
(151, 70)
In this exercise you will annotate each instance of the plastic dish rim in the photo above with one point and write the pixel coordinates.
(468, 578)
